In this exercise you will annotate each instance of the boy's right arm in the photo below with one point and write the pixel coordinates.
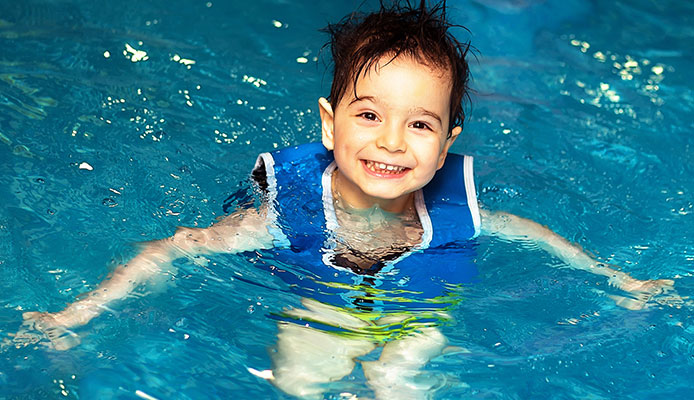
(244, 230)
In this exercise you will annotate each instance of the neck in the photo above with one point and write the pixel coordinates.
(395, 206)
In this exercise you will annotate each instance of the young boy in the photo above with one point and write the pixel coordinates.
(380, 215)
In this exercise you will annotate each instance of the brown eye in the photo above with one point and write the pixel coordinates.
(369, 116)
(420, 125)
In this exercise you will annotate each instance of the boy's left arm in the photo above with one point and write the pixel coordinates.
(512, 227)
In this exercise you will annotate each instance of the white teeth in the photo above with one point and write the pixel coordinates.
(382, 167)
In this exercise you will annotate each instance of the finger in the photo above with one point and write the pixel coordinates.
(666, 282)
(627, 302)
(65, 340)
(30, 315)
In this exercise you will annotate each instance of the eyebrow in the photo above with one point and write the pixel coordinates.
(420, 110)
(356, 99)
(417, 110)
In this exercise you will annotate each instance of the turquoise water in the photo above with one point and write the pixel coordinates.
(123, 120)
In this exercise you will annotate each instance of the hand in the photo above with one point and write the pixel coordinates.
(49, 325)
(641, 292)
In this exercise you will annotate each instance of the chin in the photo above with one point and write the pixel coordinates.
(386, 195)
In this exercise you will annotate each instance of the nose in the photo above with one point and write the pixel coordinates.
(391, 138)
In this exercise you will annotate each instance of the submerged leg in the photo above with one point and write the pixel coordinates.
(307, 358)
(393, 375)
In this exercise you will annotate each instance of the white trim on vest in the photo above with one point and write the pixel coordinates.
(469, 177)
(273, 228)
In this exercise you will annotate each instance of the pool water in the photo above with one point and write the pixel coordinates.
(121, 120)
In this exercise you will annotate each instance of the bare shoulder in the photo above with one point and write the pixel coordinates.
(495, 222)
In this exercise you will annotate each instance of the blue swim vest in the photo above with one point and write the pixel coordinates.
(297, 186)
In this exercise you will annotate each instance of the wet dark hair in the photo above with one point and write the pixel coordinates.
(359, 41)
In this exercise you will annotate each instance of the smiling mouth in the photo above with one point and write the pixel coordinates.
(383, 168)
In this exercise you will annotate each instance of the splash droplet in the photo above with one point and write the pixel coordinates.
(109, 202)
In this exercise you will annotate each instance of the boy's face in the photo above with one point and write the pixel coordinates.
(389, 142)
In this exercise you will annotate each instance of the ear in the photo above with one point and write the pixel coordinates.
(327, 118)
(447, 145)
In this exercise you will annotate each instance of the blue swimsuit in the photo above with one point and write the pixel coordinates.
(426, 277)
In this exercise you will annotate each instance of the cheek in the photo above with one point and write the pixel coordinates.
(350, 142)
(343, 149)
(429, 151)
(344, 158)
